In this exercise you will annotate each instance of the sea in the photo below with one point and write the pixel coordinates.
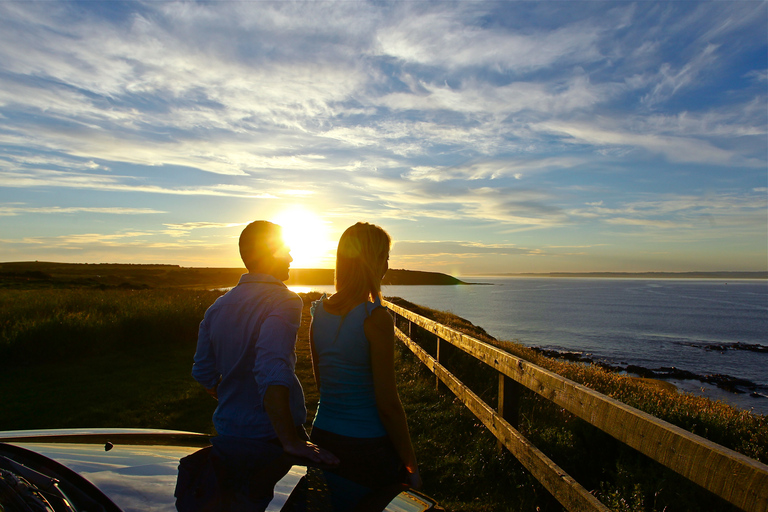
(694, 328)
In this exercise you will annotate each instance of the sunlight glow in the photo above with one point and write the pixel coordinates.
(297, 288)
(307, 236)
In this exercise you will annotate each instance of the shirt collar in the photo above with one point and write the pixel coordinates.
(260, 278)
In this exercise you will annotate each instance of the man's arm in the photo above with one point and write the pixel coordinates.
(277, 405)
(204, 369)
(214, 391)
(275, 375)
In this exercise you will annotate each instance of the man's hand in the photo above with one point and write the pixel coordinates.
(310, 451)
(213, 391)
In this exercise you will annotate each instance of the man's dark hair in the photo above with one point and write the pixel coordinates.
(259, 239)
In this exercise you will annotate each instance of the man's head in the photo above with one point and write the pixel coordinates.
(263, 250)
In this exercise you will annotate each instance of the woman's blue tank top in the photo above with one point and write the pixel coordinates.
(347, 400)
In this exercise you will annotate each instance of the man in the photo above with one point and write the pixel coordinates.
(246, 359)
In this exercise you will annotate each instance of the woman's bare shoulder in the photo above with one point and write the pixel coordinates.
(380, 320)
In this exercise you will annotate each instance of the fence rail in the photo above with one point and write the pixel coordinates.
(734, 477)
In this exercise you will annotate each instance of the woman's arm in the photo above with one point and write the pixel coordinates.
(380, 331)
(313, 354)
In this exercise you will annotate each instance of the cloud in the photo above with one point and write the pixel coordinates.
(184, 229)
(517, 168)
(8, 211)
(500, 101)
(670, 80)
(451, 40)
(433, 248)
(73, 240)
(140, 89)
(31, 178)
(675, 149)
(229, 154)
(575, 246)
(664, 224)
(90, 241)
(205, 225)
(702, 217)
(456, 200)
(760, 75)
(142, 92)
(736, 122)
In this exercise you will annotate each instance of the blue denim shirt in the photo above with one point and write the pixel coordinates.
(247, 340)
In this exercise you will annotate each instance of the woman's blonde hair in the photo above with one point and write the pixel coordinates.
(362, 251)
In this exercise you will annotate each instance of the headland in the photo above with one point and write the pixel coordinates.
(40, 274)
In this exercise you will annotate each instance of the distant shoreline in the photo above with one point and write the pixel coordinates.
(40, 274)
(634, 275)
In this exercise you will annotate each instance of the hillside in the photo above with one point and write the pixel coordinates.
(38, 274)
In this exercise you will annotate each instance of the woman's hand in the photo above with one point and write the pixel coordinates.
(414, 479)
(311, 451)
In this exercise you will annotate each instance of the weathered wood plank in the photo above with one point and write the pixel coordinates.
(572, 495)
(734, 477)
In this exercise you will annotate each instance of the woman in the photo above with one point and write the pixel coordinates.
(359, 418)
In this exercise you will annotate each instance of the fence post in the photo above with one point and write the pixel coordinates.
(508, 405)
(437, 358)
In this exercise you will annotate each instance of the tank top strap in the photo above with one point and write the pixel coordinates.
(316, 304)
(370, 306)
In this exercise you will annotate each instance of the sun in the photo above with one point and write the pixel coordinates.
(307, 236)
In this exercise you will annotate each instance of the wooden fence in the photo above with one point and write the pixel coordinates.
(734, 477)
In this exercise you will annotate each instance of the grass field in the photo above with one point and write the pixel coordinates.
(122, 358)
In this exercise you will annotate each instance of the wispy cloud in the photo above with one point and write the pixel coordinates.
(184, 229)
(29, 178)
(670, 80)
(14, 210)
(684, 219)
(517, 168)
(431, 247)
(675, 149)
(462, 39)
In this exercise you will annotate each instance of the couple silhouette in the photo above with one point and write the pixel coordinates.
(246, 359)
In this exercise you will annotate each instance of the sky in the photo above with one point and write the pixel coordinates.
(485, 137)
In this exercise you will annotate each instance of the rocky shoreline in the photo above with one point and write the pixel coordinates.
(667, 373)
(722, 347)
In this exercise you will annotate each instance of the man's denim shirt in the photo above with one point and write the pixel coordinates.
(248, 340)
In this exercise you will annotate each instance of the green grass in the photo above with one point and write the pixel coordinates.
(101, 358)
(121, 358)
